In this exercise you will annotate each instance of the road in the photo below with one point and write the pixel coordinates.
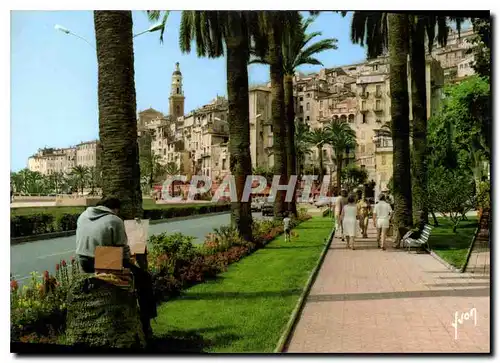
(45, 254)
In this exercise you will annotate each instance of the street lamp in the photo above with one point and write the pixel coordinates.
(69, 32)
(151, 29)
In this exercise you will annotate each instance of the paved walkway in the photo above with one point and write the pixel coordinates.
(371, 301)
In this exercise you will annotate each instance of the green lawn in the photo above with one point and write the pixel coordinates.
(147, 204)
(453, 247)
(246, 309)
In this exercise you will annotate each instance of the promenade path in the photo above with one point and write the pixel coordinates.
(372, 301)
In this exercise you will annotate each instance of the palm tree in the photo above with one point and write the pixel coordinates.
(297, 51)
(17, 182)
(211, 30)
(117, 110)
(302, 145)
(81, 175)
(341, 138)
(398, 49)
(56, 180)
(371, 27)
(94, 178)
(318, 138)
(171, 168)
(275, 24)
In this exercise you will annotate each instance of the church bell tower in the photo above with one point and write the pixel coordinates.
(176, 99)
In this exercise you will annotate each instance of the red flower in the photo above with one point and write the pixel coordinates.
(14, 285)
(63, 263)
(45, 275)
(57, 267)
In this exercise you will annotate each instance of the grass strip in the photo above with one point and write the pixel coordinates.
(246, 309)
(453, 247)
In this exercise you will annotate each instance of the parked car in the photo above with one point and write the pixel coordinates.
(322, 202)
(267, 209)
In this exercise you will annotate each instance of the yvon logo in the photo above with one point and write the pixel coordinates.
(463, 317)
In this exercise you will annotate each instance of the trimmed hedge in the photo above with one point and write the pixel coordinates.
(40, 223)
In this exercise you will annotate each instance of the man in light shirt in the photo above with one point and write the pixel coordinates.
(381, 220)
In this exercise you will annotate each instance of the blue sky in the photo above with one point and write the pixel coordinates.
(54, 76)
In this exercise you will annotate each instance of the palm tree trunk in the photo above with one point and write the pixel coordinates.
(398, 50)
(339, 170)
(320, 159)
(278, 114)
(419, 134)
(239, 123)
(291, 154)
(117, 110)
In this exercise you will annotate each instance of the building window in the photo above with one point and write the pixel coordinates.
(307, 118)
(321, 104)
(379, 90)
(307, 106)
(301, 99)
(362, 148)
(308, 95)
(301, 109)
(320, 113)
(364, 118)
(384, 161)
(377, 105)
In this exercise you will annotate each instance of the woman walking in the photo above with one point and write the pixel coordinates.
(348, 220)
(364, 210)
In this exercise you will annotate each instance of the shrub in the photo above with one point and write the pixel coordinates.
(38, 310)
(33, 224)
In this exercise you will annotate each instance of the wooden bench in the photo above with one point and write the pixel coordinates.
(421, 241)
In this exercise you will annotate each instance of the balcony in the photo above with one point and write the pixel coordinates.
(364, 95)
(364, 109)
(379, 109)
(378, 94)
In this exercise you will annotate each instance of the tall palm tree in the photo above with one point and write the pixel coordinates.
(302, 145)
(370, 27)
(81, 175)
(275, 24)
(211, 30)
(117, 110)
(56, 180)
(94, 178)
(318, 138)
(341, 138)
(398, 41)
(297, 51)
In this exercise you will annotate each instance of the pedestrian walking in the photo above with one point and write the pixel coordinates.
(286, 227)
(364, 210)
(381, 220)
(340, 202)
(349, 219)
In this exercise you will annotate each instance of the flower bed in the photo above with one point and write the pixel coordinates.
(38, 310)
(40, 223)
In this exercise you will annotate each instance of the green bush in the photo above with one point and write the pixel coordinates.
(33, 224)
(39, 309)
